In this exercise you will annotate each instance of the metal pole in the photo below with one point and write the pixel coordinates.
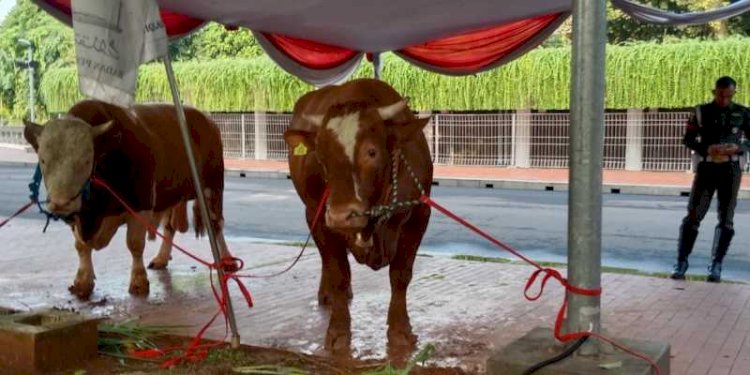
(200, 197)
(586, 150)
(376, 67)
(30, 52)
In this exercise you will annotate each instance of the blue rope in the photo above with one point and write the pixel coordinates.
(34, 187)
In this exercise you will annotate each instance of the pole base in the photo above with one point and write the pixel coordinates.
(539, 344)
(235, 343)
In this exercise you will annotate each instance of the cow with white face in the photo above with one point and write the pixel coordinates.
(362, 142)
(65, 148)
(133, 152)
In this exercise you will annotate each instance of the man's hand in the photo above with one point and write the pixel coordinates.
(713, 150)
(730, 149)
(720, 153)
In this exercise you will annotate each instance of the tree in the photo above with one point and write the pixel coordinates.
(53, 43)
(214, 41)
(622, 28)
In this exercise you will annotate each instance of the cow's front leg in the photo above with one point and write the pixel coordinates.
(399, 327)
(83, 285)
(325, 296)
(400, 336)
(335, 261)
(136, 240)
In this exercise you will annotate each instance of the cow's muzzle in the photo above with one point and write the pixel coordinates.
(347, 218)
(64, 207)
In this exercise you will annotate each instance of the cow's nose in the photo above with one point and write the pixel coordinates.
(58, 206)
(349, 216)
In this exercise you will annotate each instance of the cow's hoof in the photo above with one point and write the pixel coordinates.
(338, 340)
(139, 287)
(158, 264)
(82, 290)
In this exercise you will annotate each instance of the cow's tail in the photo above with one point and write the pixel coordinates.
(200, 229)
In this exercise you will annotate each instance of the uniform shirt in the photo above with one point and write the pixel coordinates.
(716, 125)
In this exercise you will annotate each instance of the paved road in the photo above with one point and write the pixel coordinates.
(638, 231)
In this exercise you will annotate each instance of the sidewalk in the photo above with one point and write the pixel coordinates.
(615, 181)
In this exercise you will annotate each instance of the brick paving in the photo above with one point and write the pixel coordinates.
(464, 308)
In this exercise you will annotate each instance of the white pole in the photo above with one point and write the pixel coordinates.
(200, 197)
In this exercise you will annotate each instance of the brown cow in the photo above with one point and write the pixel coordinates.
(139, 153)
(347, 137)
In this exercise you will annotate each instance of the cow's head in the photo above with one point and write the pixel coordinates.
(354, 143)
(65, 147)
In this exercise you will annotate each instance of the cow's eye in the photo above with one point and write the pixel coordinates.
(372, 152)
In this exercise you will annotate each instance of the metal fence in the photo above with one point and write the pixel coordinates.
(633, 140)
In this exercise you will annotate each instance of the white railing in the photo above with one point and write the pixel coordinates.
(633, 140)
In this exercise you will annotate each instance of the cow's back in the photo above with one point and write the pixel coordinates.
(173, 177)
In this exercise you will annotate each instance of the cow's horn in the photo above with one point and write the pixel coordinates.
(387, 112)
(101, 129)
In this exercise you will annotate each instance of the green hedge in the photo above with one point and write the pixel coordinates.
(638, 76)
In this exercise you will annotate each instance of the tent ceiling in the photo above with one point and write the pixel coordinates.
(371, 26)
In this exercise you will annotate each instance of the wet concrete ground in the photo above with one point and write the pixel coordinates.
(463, 308)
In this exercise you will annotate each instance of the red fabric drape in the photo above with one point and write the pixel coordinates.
(176, 24)
(462, 54)
(312, 55)
(475, 50)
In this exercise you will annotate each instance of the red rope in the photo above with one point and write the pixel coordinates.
(318, 212)
(549, 273)
(230, 266)
(20, 211)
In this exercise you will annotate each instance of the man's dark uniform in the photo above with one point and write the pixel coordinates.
(711, 124)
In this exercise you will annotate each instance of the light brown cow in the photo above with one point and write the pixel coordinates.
(347, 137)
(139, 153)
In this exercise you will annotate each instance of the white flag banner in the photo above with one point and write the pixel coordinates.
(113, 38)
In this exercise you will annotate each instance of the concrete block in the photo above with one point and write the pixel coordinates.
(43, 341)
(539, 344)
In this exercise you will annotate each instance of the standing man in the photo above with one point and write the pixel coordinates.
(714, 134)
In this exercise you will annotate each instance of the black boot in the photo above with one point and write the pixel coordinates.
(688, 235)
(722, 239)
(714, 272)
(680, 269)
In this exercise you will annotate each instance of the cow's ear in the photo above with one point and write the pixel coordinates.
(31, 132)
(403, 133)
(300, 141)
